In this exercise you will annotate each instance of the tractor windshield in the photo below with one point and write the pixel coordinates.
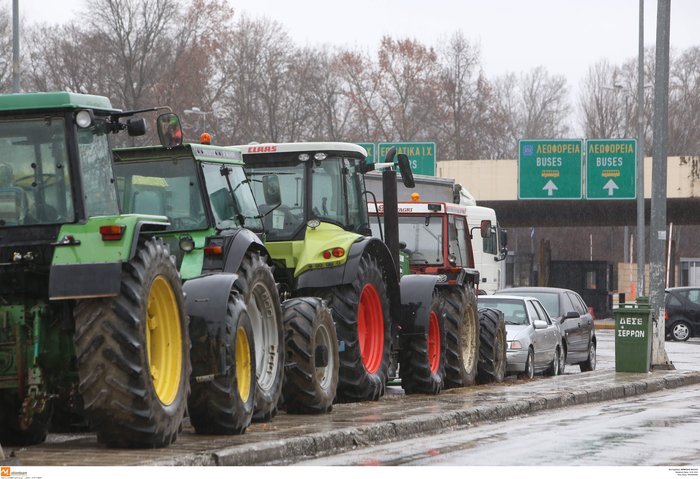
(34, 172)
(423, 237)
(164, 187)
(328, 189)
(232, 202)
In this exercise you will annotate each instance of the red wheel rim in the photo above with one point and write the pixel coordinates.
(370, 328)
(433, 342)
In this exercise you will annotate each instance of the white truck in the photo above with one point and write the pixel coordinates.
(489, 253)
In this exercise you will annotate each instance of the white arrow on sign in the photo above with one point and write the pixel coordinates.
(611, 186)
(550, 187)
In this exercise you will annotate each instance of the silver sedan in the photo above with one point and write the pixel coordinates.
(534, 340)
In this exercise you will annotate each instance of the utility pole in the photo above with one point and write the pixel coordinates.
(641, 228)
(657, 243)
(15, 46)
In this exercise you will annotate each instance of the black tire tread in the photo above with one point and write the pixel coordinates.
(215, 407)
(115, 383)
(253, 269)
(302, 392)
(355, 382)
(492, 346)
(414, 368)
(459, 304)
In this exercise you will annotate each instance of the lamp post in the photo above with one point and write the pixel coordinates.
(197, 111)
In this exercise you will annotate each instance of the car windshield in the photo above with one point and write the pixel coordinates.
(513, 309)
(35, 183)
(550, 301)
(230, 211)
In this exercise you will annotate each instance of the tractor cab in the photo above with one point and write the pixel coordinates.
(294, 183)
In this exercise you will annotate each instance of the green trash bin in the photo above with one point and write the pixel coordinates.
(633, 336)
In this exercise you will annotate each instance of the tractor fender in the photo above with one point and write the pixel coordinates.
(416, 300)
(237, 245)
(469, 276)
(144, 228)
(346, 273)
(206, 303)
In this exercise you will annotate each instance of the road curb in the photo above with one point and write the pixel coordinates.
(280, 452)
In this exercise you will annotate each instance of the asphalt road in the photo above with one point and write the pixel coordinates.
(657, 429)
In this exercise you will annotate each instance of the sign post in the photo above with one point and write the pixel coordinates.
(611, 169)
(550, 169)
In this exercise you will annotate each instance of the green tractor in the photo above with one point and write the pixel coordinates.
(92, 316)
(214, 228)
(315, 217)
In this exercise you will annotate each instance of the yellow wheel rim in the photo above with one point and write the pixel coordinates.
(164, 340)
(243, 364)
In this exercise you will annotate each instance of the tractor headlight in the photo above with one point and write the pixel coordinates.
(84, 119)
(186, 244)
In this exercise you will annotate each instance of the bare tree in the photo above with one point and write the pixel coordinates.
(602, 106)
(5, 51)
(408, 86)
(684, 104)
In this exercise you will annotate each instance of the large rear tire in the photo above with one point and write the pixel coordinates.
(462, 336)
(492, 346)
(133, 354)
(363, 325)
(12, 433)
(311, 377)
(257, 284)
(224, 404)
(422, 356)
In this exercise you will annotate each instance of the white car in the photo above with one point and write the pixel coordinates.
(533, 339)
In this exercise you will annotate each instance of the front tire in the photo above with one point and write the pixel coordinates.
(133, 354)
(224, 404)
(492, 346)
(311, 377)
(462, 337)
(363, 324)
(257, 284)
(422, 356)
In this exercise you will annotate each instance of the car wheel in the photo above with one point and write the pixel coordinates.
(529, 372)
(562, 362)
(680, 331)
(553, 369)
(589, 364)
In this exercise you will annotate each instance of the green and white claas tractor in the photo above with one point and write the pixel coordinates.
(93, 328)
(317, 228)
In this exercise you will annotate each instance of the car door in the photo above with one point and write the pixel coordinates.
(552, 333)
(539, 341)
(585, 324)
(576, 341)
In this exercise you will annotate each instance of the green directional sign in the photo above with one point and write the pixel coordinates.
(550, 169)
(611, 169)
(370, 151)
(421, 155)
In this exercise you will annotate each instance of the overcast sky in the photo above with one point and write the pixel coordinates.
(565, 36)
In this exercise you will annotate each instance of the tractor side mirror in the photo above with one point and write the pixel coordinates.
(169, 130)
(405, 170)
(136, 126)
(271, 189)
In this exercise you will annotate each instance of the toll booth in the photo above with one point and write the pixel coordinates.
(591, 279)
